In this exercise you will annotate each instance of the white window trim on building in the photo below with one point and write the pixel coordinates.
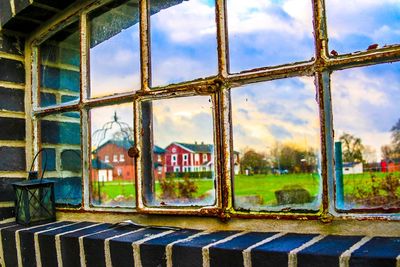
(174, 159)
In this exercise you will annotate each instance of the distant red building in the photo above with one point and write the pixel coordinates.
(184, 157)
(111, 162)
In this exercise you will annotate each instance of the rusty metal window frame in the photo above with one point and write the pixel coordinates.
(320, 67)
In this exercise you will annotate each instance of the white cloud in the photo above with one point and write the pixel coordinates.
(172, 69)
(293, 120)
(187, 119)
(365, 104)
(187, 22)
(292, 17)
(361, 17)
(124, 57)
(103, 85)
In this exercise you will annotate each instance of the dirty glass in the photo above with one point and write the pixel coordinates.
(183, 40)
(183, 152)
(366, 120)
(114, 49)
(112, 171)
(362, 25)
(268, 32)
(276, 143)
(61, 160)
(59, 67)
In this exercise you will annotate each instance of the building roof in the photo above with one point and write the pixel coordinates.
(158, 150)
(197, 148)
(100, 165)
(124, 143)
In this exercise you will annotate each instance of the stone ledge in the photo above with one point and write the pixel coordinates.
(66, 243)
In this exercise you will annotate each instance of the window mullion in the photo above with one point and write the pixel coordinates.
(320, 31)
(84, 58)
(86, 159)
(322, 82)
(145, 61)
(84, 92)
(222, 37)
(226, 145)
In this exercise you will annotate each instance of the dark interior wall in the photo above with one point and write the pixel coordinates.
(12, 118)
(24, 16)
(18, 18)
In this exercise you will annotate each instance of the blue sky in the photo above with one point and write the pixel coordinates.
(355, 25)
(262, 33)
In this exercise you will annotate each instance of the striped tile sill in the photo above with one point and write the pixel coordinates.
(90, 244)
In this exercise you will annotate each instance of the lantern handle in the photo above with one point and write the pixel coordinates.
(45, 162)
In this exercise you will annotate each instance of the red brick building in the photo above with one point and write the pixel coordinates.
(184, 157)
(111, 162)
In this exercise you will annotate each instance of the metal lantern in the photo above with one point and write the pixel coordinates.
(34, 199)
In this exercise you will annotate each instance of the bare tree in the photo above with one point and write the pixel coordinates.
(352, 148)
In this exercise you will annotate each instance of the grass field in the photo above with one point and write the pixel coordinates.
(263, 186)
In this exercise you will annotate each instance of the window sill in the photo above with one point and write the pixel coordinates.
(338, 226)
(98, 244)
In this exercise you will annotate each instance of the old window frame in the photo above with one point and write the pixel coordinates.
(217, 86)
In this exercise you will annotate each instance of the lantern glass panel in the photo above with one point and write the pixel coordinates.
(34, 202)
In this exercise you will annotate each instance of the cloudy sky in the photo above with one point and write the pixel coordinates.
(261, 33)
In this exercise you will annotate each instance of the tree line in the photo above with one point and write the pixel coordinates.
(281, 158)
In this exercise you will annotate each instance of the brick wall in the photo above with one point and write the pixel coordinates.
(60, 133)
(17, 19)
(12, 118)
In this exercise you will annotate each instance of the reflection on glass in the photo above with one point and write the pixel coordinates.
(112, 170)
(358, 25)
(59, 67)
(183, 152)
(183, 40)
(61, 159)
(276, 145)
(366, 119)
(267, 32)
(114, 49)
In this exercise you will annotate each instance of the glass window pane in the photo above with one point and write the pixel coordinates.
(183, 153)
(114, 49)
(61, 160)
(367, 129)
(59, 67)
(276, 138)
(358, 24)
(183, 40)
(267, 32)
(112, 177)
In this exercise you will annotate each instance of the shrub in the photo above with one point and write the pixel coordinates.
(168, 187)
(187, 188)
(382, 192)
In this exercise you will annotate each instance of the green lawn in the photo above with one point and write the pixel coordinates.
(262, 186)
(266, 185)
(114, 189)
